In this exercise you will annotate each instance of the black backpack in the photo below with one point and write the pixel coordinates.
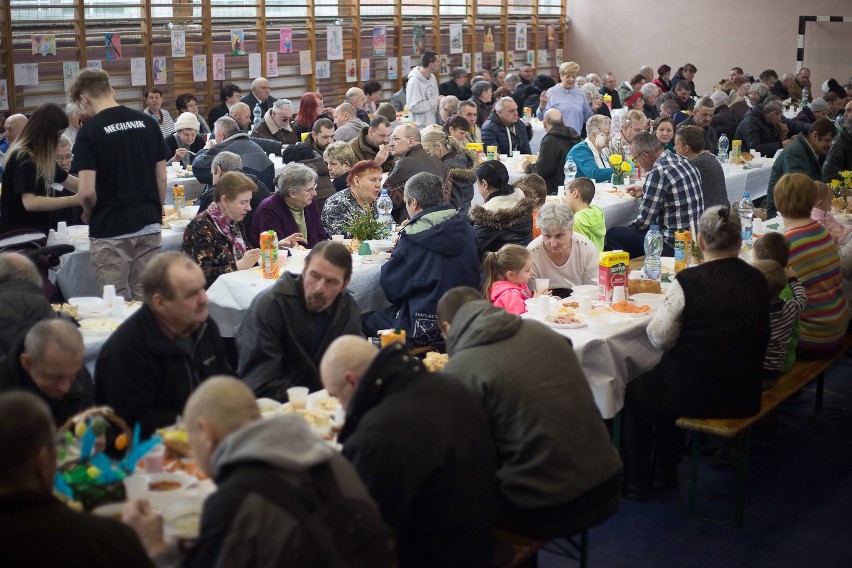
(345, 532)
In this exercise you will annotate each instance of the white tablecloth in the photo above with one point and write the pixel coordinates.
(192, 187)
(538, 134)
(75, 276)
(739, 180)
(231, 295)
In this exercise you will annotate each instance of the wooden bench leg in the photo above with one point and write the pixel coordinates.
(742, 471)
(820, 383)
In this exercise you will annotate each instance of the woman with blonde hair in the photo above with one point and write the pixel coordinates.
(339, 158)
(567, 97)
(28, 200)
(459, 162)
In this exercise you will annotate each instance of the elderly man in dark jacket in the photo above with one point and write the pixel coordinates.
(372, 144)
(554, 148)
(411, 159)
(150, 365)
(310, 153)
(289, 326)
(49, 364)
(456, 85)
(229, 138)
(22, 301)
(761, 129)
(277, 124)
(553, 481)
(420, 442)
(839, 157)
(505, 130)
(435, 252)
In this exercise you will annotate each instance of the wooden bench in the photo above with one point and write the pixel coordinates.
(525, 548)
(798, 377)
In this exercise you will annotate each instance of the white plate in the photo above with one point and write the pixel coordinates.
(182, 518)
(529, 316)
(98, 327)
(111, 510)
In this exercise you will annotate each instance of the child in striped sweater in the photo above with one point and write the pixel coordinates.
(783, 314)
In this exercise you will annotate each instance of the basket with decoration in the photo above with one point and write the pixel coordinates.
(86, 474)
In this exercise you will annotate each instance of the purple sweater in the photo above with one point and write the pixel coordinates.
(273, 213)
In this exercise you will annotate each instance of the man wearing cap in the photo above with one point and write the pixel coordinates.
(277, 123)
(810, 114)
(185, 143)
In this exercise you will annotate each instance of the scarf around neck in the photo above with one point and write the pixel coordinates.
(229, 228)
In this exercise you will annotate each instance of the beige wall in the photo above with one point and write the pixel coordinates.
(621, 36)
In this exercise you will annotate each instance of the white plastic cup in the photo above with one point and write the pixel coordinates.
(109, 294)
(62, 229)
(117, 309)
(338, 238)
(176, 167)
(136, 486)
(542, 284)
(618, 294)
(271, 156)
(585, 305)
(298, 397)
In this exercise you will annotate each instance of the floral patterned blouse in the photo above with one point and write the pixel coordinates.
(340, 210)
(206, 244)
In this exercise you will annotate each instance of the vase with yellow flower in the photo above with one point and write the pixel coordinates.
(620, 168)
(841, 188)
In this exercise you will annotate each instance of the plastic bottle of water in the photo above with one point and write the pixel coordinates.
(806, 92)
(385, 206)
(257, 114)
(746, 211)
(653, 248)
(723, 148)
(570, 170)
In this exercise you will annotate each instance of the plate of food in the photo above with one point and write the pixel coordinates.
(182, 518)
(268, 407)
(98, 327)
(565, 321)
(631, 309)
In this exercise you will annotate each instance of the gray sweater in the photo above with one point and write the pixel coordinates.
(713, 186)
(552, 445)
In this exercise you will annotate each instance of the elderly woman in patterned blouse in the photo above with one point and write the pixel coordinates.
(365, 185)
(216, 238)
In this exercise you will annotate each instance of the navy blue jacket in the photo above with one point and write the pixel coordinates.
(436, 251)
(495, 134)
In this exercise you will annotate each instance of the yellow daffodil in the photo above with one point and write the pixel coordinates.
(626, 167)
(615, 159)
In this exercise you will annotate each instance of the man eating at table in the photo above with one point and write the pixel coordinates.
(150, 365)
(671, 198)
(289, 326)
(554, 479)
(37, 529)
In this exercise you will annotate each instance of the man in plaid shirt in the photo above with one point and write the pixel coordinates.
(671, 198)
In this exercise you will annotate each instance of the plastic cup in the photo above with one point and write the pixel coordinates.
(109, 294)
(175, 167)
(618, 294)
(338, 238)
(298, 397)
(154, 459)
(542, 284)
(62, 229)
(136, 486)
(585, 306)
(117, 309)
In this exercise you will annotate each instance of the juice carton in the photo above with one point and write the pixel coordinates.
(682, 249)
(613, 269)
(388, 336)
(269, 254)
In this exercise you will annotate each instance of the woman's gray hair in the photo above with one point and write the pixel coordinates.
(555, 216)
(759, 89)
(450, 105)
(591, 92)
(64, 141)
(720, 229)
(294, 177)
(597, 124)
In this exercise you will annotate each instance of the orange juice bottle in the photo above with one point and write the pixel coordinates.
(391, 335)
(269, 254)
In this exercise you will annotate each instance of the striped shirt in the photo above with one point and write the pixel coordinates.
(671, 197)
(782, 317)
(814, 258)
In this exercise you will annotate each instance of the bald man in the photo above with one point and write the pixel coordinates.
(421, 444)
(37, 529)
(557, 142)
(22, 301)
(257, 465)
(49, 364)
(358, 99)
(241, 113)
(411, 159)
(13, 125)
(348, 124)
(259, 95)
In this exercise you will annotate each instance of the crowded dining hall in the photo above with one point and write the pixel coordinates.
(424, 284)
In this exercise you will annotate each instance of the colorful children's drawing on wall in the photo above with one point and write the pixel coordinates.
(112, 43)
(44, 44)
(238, 42)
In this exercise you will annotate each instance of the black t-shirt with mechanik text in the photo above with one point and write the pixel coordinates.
(20, 177)
(123, 147)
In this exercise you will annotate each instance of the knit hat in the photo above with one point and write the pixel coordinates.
(819, 105)
(187, 120)
(719, 98)
(832, 86)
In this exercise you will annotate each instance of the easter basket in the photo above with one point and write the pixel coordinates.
(82, 475)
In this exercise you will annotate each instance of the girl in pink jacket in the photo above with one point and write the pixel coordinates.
(507, 272)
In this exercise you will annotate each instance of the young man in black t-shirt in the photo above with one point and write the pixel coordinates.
(121, 156)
